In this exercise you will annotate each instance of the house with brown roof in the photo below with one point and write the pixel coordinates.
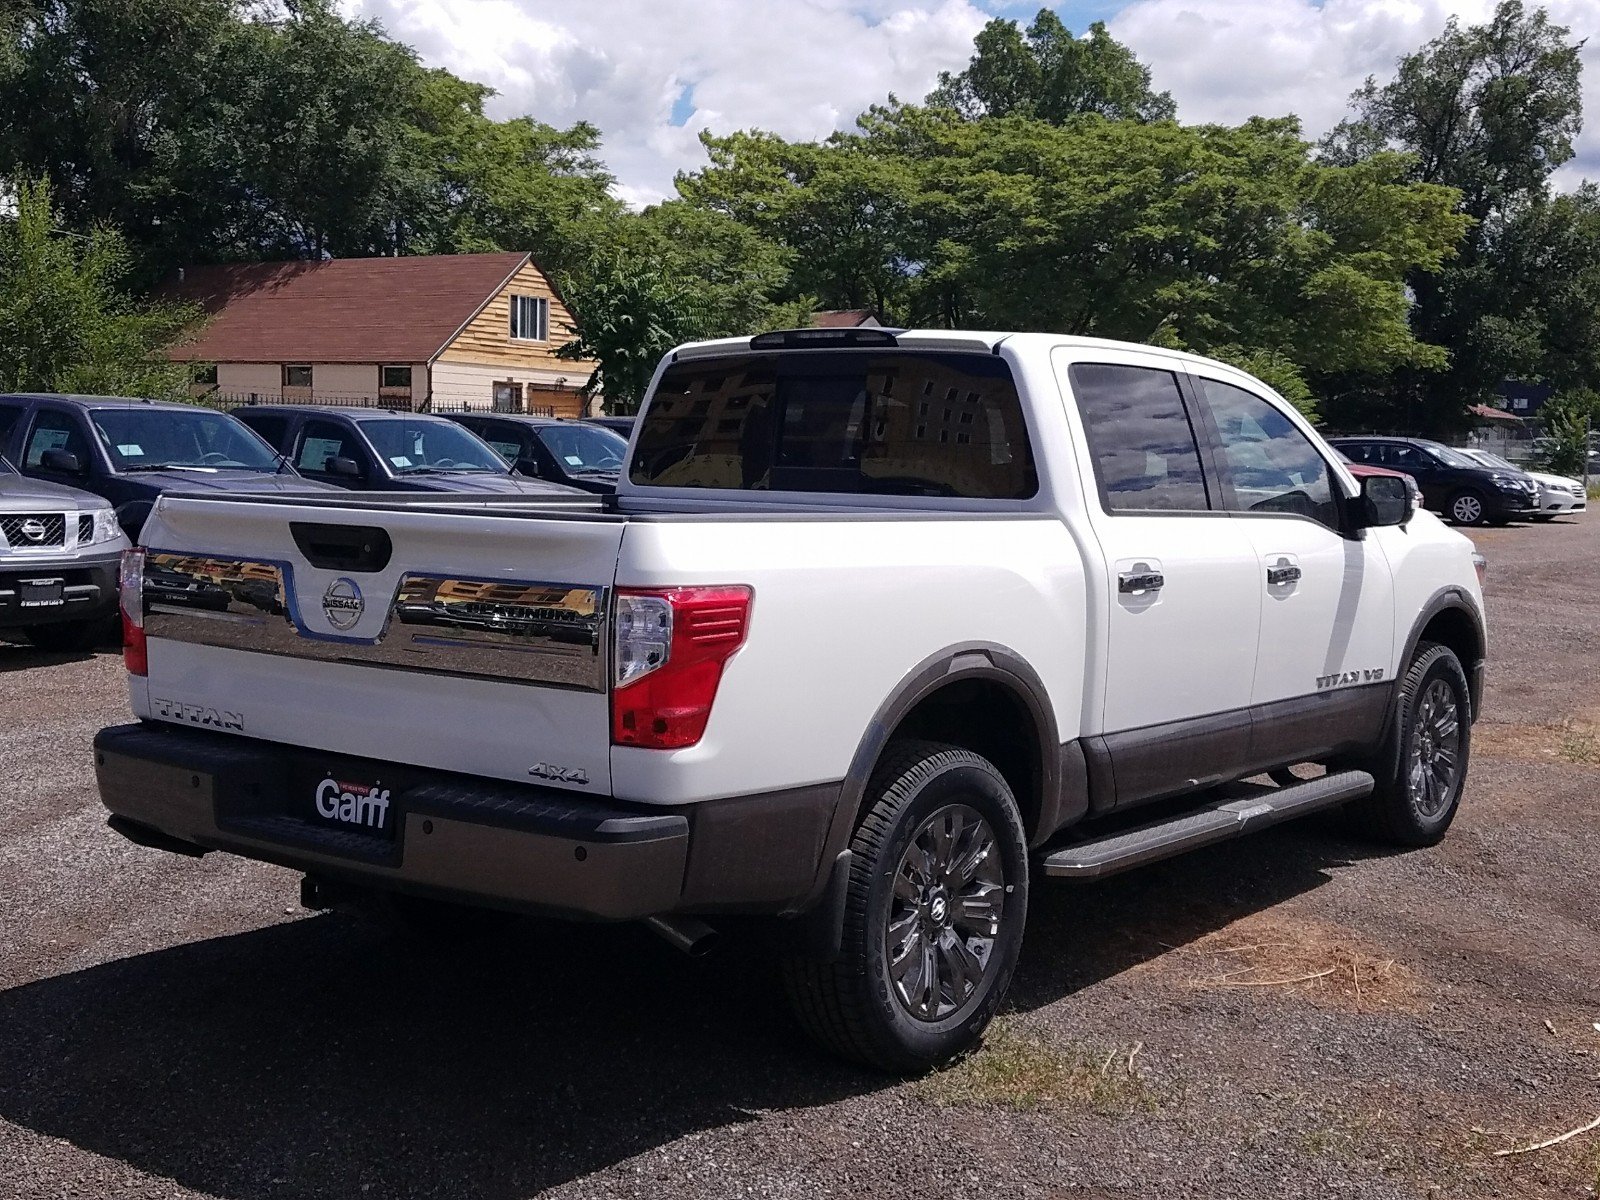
(446, 331)
(844, 318)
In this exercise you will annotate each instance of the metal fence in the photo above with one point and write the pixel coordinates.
(227, 401)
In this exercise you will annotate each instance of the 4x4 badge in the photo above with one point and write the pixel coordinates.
(342, 603)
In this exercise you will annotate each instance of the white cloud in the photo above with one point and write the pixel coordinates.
(800, 68)
(803, 68)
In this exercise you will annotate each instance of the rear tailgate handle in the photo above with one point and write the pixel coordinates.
(355, 548)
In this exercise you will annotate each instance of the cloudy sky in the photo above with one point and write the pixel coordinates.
(653, 73)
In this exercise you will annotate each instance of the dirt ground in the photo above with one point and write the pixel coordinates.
(1292, 1015)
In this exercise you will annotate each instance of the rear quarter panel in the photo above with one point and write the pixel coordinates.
(845, 609)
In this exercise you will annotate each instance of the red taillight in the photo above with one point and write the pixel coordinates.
(130, 602)
(669, 648)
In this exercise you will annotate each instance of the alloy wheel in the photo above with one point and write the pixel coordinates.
(945, 914)
(1468, 510)
(1435, 750)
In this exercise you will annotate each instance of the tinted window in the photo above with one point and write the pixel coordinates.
(1145, 456)
(1271, 465)
(851, 421)
(1402, 458)
(10, 414)
(322, 440)
(275, 429)
(54, 430)
(147, 437)
(1361, 452)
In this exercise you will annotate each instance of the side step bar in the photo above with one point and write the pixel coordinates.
(1115, 852)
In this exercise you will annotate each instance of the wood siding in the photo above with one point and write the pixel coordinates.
(486, 339)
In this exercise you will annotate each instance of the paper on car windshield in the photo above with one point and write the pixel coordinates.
(400, 460)
(574, 460)
(130, 450)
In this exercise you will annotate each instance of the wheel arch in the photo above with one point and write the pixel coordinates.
(1452, 619)
(986, 698)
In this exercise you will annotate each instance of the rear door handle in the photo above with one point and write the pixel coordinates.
(1278, 576)
(1132, 582)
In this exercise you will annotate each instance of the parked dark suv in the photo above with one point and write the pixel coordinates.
(575, 453)
(1465, 491)
(389, 451)
(132, 451)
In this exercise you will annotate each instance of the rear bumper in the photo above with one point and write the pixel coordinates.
(88, 589)
(463, 838)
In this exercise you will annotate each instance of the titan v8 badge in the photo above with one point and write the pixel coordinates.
(342, 604)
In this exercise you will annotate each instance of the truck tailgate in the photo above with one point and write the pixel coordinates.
(462, 638)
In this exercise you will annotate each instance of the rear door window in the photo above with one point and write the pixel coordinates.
(1146, 456)
(843, 421)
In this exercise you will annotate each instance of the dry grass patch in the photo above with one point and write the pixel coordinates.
(1020, 1071)
(1575, 740)
(1323, 963)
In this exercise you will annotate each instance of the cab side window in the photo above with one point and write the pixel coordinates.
(54, 430)
(1271, 465)
(10, 414)
(1146, 458)
(322, 440)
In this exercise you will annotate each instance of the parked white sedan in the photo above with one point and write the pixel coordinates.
(1558, 495)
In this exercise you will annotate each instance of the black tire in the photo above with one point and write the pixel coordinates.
(1467, 507)
(66, 636)
(853, 1006)
(1402, 810)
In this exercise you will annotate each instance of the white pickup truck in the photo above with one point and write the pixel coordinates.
(879, 629)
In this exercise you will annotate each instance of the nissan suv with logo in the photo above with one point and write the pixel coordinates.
(59, 552)
(881, 631)
(1464, 489)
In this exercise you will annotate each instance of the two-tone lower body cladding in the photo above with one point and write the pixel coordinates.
(49, 590)
(522, 847)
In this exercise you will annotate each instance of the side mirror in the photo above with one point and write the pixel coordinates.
(347, 468)
(1386, 500)
(63, 461)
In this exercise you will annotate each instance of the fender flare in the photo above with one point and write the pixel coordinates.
(1446, 598)
(988, 661)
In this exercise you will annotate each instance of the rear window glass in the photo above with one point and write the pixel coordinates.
(850, 421)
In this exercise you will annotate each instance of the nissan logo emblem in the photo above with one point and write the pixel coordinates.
(342, 603)
(33, 529)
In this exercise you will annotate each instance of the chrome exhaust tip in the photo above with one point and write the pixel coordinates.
(695, 938)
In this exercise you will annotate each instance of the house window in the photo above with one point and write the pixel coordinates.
(530, 318)
(398, 378)
(298, 376)
(508, 397)
(206, 375)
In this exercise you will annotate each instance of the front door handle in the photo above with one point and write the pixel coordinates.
(1132, 582)
(1278, 576)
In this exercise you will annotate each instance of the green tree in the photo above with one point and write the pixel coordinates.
(65, 323)
(1568, 418)
(1491, 111)
(1048, 73)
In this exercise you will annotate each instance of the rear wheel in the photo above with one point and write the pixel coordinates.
(937, 897)
(1423, 766)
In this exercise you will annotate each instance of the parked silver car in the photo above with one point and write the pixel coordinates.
(1559, 495)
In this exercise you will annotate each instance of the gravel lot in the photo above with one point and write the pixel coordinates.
(1292, 1014)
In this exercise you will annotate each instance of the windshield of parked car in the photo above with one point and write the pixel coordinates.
(410, 446)
(146, 438)
(584, 449)
(1451, 458)
(1492, 460)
